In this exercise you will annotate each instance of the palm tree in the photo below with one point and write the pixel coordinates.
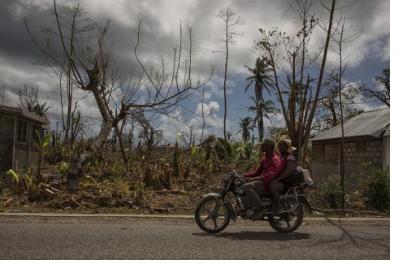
(246, 125)
(263, 109)
(260, 77)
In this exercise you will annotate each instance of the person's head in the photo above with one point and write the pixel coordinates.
(267, 146)
(284, 145)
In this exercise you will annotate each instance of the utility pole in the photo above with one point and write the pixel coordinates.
(4, 96)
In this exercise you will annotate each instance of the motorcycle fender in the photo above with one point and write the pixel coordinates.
(306, 204)
(216, 195)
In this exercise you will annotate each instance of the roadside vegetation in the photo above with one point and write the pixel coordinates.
(168, 179)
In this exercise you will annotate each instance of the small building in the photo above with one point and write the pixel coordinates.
(367, 139)
(18, 148)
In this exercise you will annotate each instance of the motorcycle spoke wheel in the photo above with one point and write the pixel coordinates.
(212, 215)
(215, 223)
(288, 221)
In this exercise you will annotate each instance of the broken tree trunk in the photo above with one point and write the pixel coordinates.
(75, 172)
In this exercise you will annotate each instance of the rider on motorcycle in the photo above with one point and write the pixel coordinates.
(276, 170)
(257, 181)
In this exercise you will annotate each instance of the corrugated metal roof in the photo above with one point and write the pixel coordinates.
(22, 113)
(371, 123)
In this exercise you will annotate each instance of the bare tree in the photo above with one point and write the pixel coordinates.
(29, 100)
(329, 107)
(70, 116)
(383, 93)
(231, 21)
(296, 96)
(202, 115)
(87, 59)
(151, 136)
(340, 39)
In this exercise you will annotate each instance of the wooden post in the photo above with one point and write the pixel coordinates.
(14, 143)
(386, 152)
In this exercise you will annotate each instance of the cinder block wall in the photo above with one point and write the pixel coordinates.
(372, 151)
(326, 156)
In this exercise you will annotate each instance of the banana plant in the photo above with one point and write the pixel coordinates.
(14, 176)
(42, 143)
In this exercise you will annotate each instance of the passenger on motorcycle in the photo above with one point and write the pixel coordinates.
(257, 181)
(289, 174)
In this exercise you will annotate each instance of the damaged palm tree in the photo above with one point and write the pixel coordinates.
(77, 45)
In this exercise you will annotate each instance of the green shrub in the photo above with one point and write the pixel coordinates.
(328, 193)
(223, 149)
(377, 191)
(242, 151)
(370, 191)
(63, 168)
(55, 154)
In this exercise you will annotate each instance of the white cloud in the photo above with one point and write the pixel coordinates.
(175, 122)
(207, 109)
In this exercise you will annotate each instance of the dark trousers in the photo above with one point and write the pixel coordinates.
(253, 191)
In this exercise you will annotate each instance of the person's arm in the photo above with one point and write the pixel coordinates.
(254, 179)
(255, 173)
(290, 168)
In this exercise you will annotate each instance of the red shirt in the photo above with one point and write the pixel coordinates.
(268, 169)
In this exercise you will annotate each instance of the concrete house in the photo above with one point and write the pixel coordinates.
(367, 139)
(18, 128)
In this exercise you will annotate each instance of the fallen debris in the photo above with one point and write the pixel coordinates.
(8, 202)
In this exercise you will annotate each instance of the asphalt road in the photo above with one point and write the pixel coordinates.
(136, 238)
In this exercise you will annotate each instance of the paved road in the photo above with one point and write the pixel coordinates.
(128, 238)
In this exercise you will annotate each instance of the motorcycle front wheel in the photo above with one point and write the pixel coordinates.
(290, 220)
(212, 214)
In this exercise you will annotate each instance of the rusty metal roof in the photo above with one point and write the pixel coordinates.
(373, 123)
(19, 112)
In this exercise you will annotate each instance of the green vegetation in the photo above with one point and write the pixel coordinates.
(377, 191)
(161, 180)
(368, 191)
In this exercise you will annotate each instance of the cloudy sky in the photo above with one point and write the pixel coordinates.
(20, 62)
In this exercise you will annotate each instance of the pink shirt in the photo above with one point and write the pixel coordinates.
(268, 169)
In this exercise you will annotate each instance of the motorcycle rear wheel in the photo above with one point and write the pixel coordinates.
(207, 219)
(282, 222)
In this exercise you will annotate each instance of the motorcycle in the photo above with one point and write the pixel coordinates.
(215, 210)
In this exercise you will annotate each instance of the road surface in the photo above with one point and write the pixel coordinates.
(136, 238)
